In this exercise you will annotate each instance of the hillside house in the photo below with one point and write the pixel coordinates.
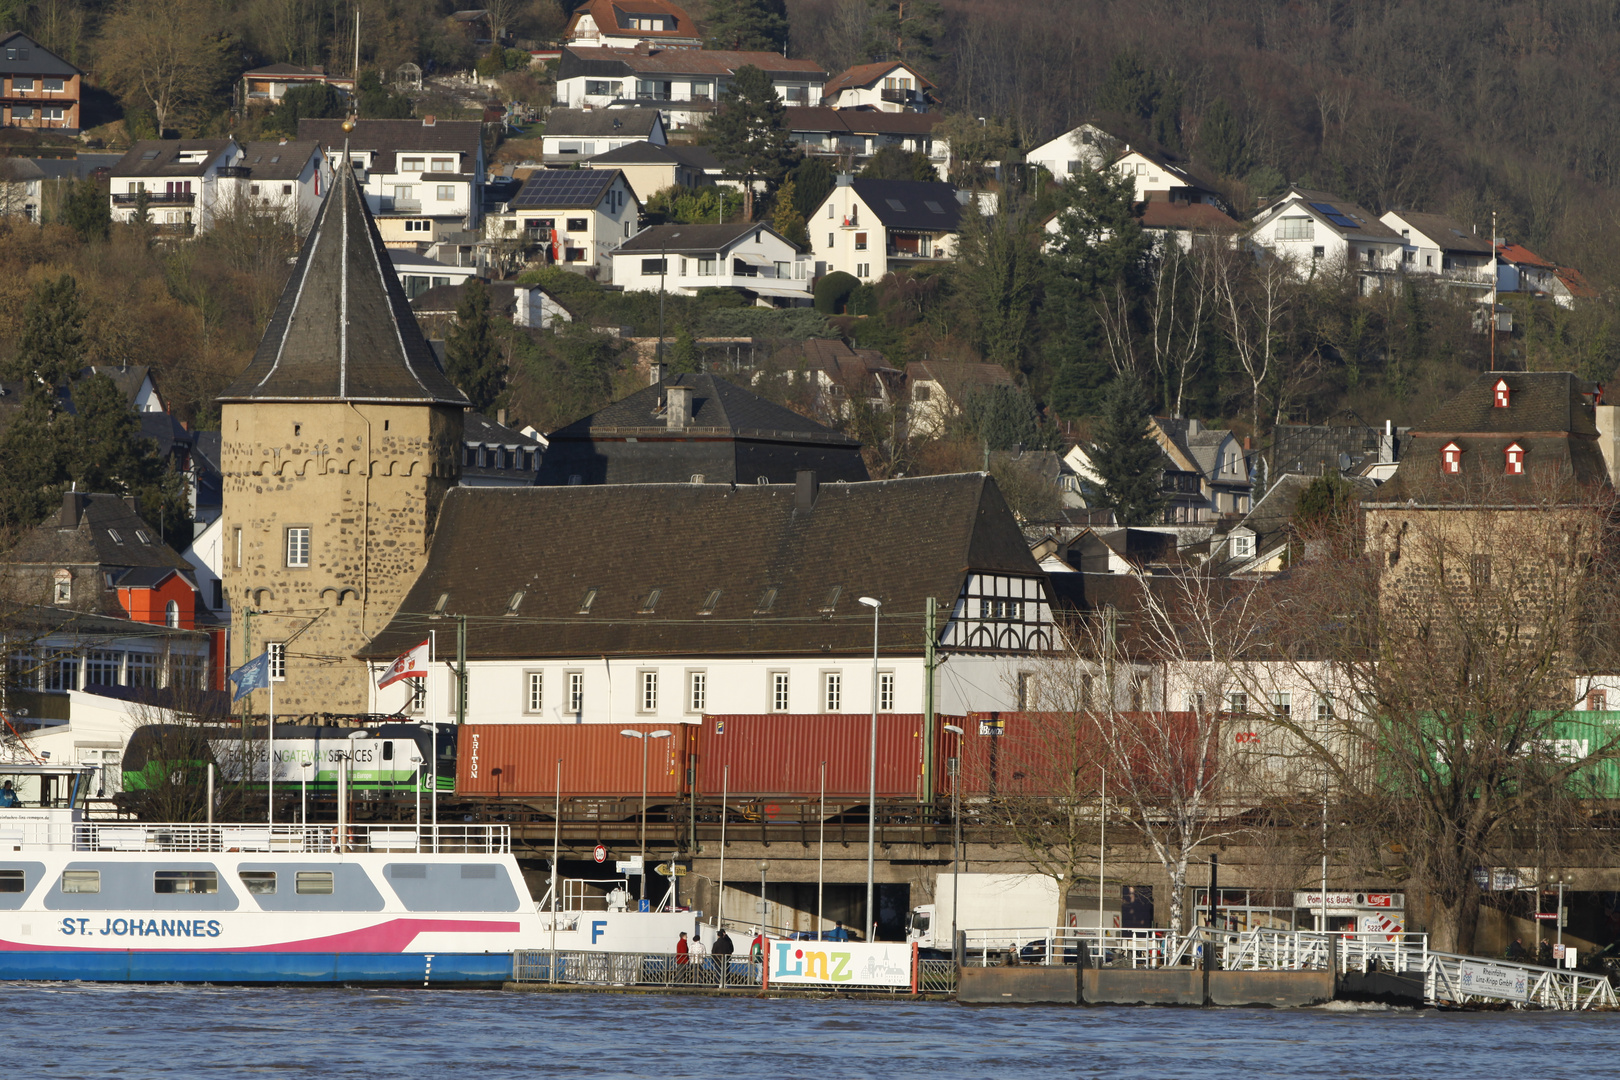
(854, 135)
(423, 179)
(622, 25)
(181, 182)
(577, 217)
(750, 257)
(651, 168)
(269, 84)
(685, 83)
(574, 134)
(1312, 229)
(874, 227)
(890, 86)
(937, 390)
(38, 89)
(1444, 248)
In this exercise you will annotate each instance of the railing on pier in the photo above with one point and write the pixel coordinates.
(324, 839)
(676, 972)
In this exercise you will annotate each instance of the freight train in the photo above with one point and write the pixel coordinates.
(382, 758)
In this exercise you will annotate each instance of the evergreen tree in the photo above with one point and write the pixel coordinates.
(1221, 144)
(905, 30)
(893, 163)
(1100, 255)
(813, 181)
(49, 350)
(748, 131)
(377, 102)
(320, 100)
(787, 219)
(1142, 97)
(472, 354)
(1002, 417)
(103, 451)
(87, 210)
(749, 25)
(999, 270)
(683, 354)
(1129, 464)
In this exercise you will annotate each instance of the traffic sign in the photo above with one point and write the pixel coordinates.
(670, 871)
(631, 865)
(1547, 916)
(600, 854)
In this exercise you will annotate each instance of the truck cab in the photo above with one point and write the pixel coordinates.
(919, 925)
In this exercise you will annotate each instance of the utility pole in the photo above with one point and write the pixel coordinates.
(461, 670)
(930, 658)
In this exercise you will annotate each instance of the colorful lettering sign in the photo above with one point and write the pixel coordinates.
(839, 963)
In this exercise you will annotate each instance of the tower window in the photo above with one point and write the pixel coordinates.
(1515, 459)
(1501, 393)
(298, 547)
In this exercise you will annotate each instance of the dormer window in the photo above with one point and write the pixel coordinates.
(1515, 459)
(1501, 393)
(1451, 459)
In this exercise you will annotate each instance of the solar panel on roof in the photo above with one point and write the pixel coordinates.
(896, 204)
(569, 188)
(1335, 215)
(934, 206)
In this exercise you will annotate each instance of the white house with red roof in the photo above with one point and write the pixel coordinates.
(887, 87)
(626, 23)
(684, 83)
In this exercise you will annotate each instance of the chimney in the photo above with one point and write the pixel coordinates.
(845, 179)
(1194, 426)
(500, 417)
(429, 120)
(1386, 444)
(805, 486)
(134, 507)
(72, 509)
(678, 408)
(656, 372)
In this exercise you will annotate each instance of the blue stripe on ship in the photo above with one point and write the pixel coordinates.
(255, 967)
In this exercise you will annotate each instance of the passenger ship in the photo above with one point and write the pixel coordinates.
(141, 902)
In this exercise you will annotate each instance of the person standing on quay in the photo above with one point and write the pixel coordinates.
(697, 951)
(722, 953)
(681, 951)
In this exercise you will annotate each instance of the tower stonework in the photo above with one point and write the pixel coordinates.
(338, 444)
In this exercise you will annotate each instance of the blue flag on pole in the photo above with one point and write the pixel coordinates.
(251, 676)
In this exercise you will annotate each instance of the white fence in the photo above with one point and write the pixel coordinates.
(188, 837)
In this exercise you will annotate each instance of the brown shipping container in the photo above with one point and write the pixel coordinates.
(1016, 753)
(780, 755)
(520, 760)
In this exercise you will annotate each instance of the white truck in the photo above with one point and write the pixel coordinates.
(998, 909)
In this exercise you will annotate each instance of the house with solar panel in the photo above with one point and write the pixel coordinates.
(684, 83)
(574, 217)
(1314, 229)
(869, 228)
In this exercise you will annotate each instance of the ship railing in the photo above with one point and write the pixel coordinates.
(312, 838)
(1048, 945)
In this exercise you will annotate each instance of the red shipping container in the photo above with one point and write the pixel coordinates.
(520, 760)
(1050, 754)
(779, 755)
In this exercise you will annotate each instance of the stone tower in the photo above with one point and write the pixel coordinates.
(338, 444)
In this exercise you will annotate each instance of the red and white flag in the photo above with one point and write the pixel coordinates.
(412, 665)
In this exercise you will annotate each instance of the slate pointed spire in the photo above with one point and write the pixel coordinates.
(343, 330)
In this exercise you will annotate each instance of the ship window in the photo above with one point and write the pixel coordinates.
(477, 873)
(81, 881)
(259, 882)
(313, 883)
(185, 881)
(11, 881)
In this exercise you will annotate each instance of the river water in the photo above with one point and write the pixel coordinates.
(169, 1031)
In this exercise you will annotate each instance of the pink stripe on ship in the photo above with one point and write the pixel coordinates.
(389, 937)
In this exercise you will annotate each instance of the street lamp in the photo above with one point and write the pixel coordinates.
(764, 905)
(954, 766)
(871, 773)
(304, 769)
(644, 736)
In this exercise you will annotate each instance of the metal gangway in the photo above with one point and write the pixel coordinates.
(1445, 978)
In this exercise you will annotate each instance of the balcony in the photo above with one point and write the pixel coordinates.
(899, 97)
(236, 172)
(387, 204)
(155, 198)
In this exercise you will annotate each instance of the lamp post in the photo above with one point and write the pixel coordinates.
(644, 736)
(764, 905)
(871, 773)
(1560, 923)
(954, 767)
(304, 769)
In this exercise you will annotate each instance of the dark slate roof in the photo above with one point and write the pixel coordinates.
(682, 239)
(76, 168)
(860, 121)
(91, 540)
(22, 55)
(718, 408)
(599, 123)
(1340, 214)
(611, 62)
(734, 436)
(1549, 415)
(481, 432)
(904, 204)
(279, 160)
(127, 377)
(564, 189)
(699, 158)
(901, 541)
(1449, 233)
(286, 70)
(343, 330)
(161, 157)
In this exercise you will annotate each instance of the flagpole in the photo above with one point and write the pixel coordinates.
(433, 770)
(270, 770)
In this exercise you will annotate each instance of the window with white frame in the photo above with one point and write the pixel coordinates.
(418, 702)
(278, 660)
(418, 225)
(62, 672)
(298, 547)
(143, 670)
(1237, 703)
(885, 691)
(1282, 702)
(446, 192)
(576, 692)
(832, 691)
(1514, 455)
(649, 692)
(534, 691)
(1324, 708)
(63, 593)
(1242, 546)
(779, 691)
(1296, 228)
(101, 668)
(1451, 459)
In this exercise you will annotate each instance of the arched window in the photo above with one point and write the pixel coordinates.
(1501, 393)
(1515, 459)
(171, 617)
(1451, 459)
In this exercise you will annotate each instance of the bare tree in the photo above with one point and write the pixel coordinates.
(1444, 658)
(1252, 294)
(1180, 302)
(162, 53)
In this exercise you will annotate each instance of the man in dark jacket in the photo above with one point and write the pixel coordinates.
(722, 950)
